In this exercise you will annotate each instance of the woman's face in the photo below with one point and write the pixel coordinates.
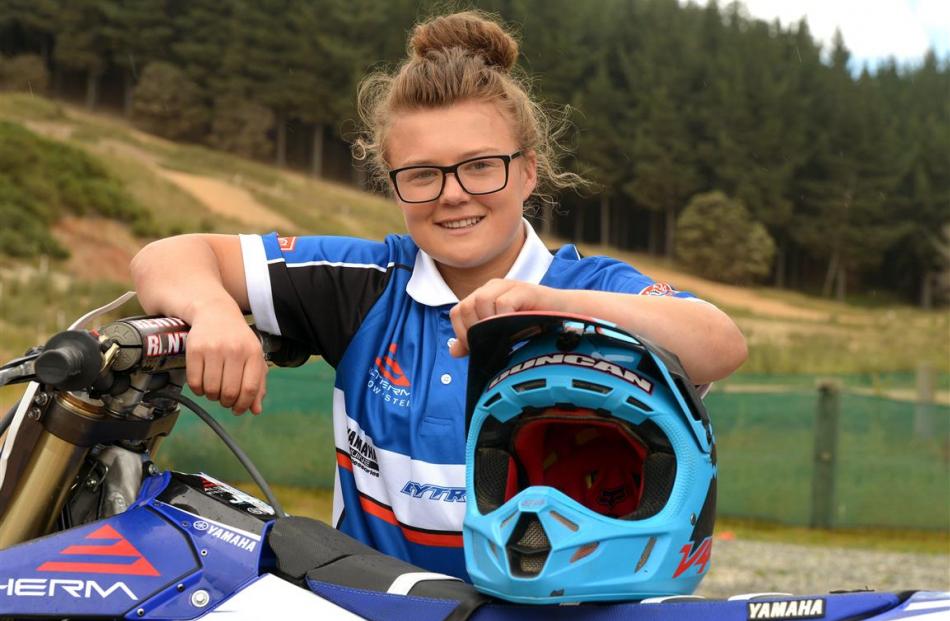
(458, 229)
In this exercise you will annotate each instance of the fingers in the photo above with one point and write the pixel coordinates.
(252, 387)
(460, 347)
(231, 380)
(497, 296)
(258, 405)
(213, 371)
(225, 363)
(194, 371)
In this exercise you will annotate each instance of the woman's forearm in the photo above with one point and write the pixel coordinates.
(177, 276)
(707, 342)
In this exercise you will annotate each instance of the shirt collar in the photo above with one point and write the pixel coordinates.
(427, 286)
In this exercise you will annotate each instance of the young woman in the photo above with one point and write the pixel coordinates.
(462, 148)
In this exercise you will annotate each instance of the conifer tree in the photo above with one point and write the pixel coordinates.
(85, 40)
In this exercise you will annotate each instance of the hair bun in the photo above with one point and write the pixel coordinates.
(469, 30)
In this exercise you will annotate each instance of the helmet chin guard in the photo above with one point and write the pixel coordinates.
(590, 461)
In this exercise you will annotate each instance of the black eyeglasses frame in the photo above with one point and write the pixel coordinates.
(453, 170)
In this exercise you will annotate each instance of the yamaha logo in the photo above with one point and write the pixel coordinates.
(362, 452)
(200, 525)
(793, 609)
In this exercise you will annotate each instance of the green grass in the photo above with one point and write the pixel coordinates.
(36, 304)
(26, 107)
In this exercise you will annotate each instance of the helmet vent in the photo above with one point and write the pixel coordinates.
(534, 535)
(640, 405)
(584, 551)
(492, 400)
(528, 547)
(530, 385)
(647, 551)
(590, 386)
(563, 520)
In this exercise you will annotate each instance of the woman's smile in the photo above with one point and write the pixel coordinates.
(461, 225)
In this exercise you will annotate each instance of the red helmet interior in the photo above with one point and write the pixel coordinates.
(596, 461)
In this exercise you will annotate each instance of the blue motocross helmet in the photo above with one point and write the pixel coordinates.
(590, 464)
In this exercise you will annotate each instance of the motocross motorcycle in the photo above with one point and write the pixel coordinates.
(91, 528)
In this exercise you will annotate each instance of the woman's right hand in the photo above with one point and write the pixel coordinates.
(224, 358)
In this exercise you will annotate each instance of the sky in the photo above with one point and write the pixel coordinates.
(873, 30)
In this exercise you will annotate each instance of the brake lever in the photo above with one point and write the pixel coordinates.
(17, 374)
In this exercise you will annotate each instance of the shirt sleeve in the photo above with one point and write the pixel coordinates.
(619, 277)
(315, 290)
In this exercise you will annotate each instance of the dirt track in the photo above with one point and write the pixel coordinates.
(757, 567)
(98, 248)
(228, 200)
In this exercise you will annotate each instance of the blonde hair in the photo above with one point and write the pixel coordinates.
(454, 58)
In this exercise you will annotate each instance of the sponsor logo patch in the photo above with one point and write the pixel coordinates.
(165, 343)
(388, 381)
(57, 587)
(105, 542)
(434, 492)
(577, 360)
(235, 497)
(694, 556)
(287, 244)
(226, 535)
(158, 323)
(791, 609)
(658, 288)
(362, 452)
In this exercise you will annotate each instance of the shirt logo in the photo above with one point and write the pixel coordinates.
(362, 452)
(658, 288)
(388, 381)
(287, 243)
(434, 492)
(390, 369)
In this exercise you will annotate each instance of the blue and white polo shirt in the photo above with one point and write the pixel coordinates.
(379, 313)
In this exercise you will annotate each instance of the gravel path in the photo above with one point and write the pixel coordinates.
(756, 567)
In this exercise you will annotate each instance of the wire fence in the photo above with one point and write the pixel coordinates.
(882, 462)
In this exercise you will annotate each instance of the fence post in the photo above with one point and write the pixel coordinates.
(826, 454)
(923, 408)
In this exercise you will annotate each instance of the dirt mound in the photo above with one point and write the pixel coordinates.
(100, 249)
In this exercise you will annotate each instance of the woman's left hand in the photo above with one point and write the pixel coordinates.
(496, 297)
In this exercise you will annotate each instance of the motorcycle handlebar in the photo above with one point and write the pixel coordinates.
(73, 359)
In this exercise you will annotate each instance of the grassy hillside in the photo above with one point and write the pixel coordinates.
(41, 180)
(186, 188)
(155, 187)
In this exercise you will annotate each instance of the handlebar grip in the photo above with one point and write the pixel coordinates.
(70, 360)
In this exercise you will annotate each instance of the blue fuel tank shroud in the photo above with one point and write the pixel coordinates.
(131, 561)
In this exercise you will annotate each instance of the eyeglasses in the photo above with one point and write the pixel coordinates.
(479, 175)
